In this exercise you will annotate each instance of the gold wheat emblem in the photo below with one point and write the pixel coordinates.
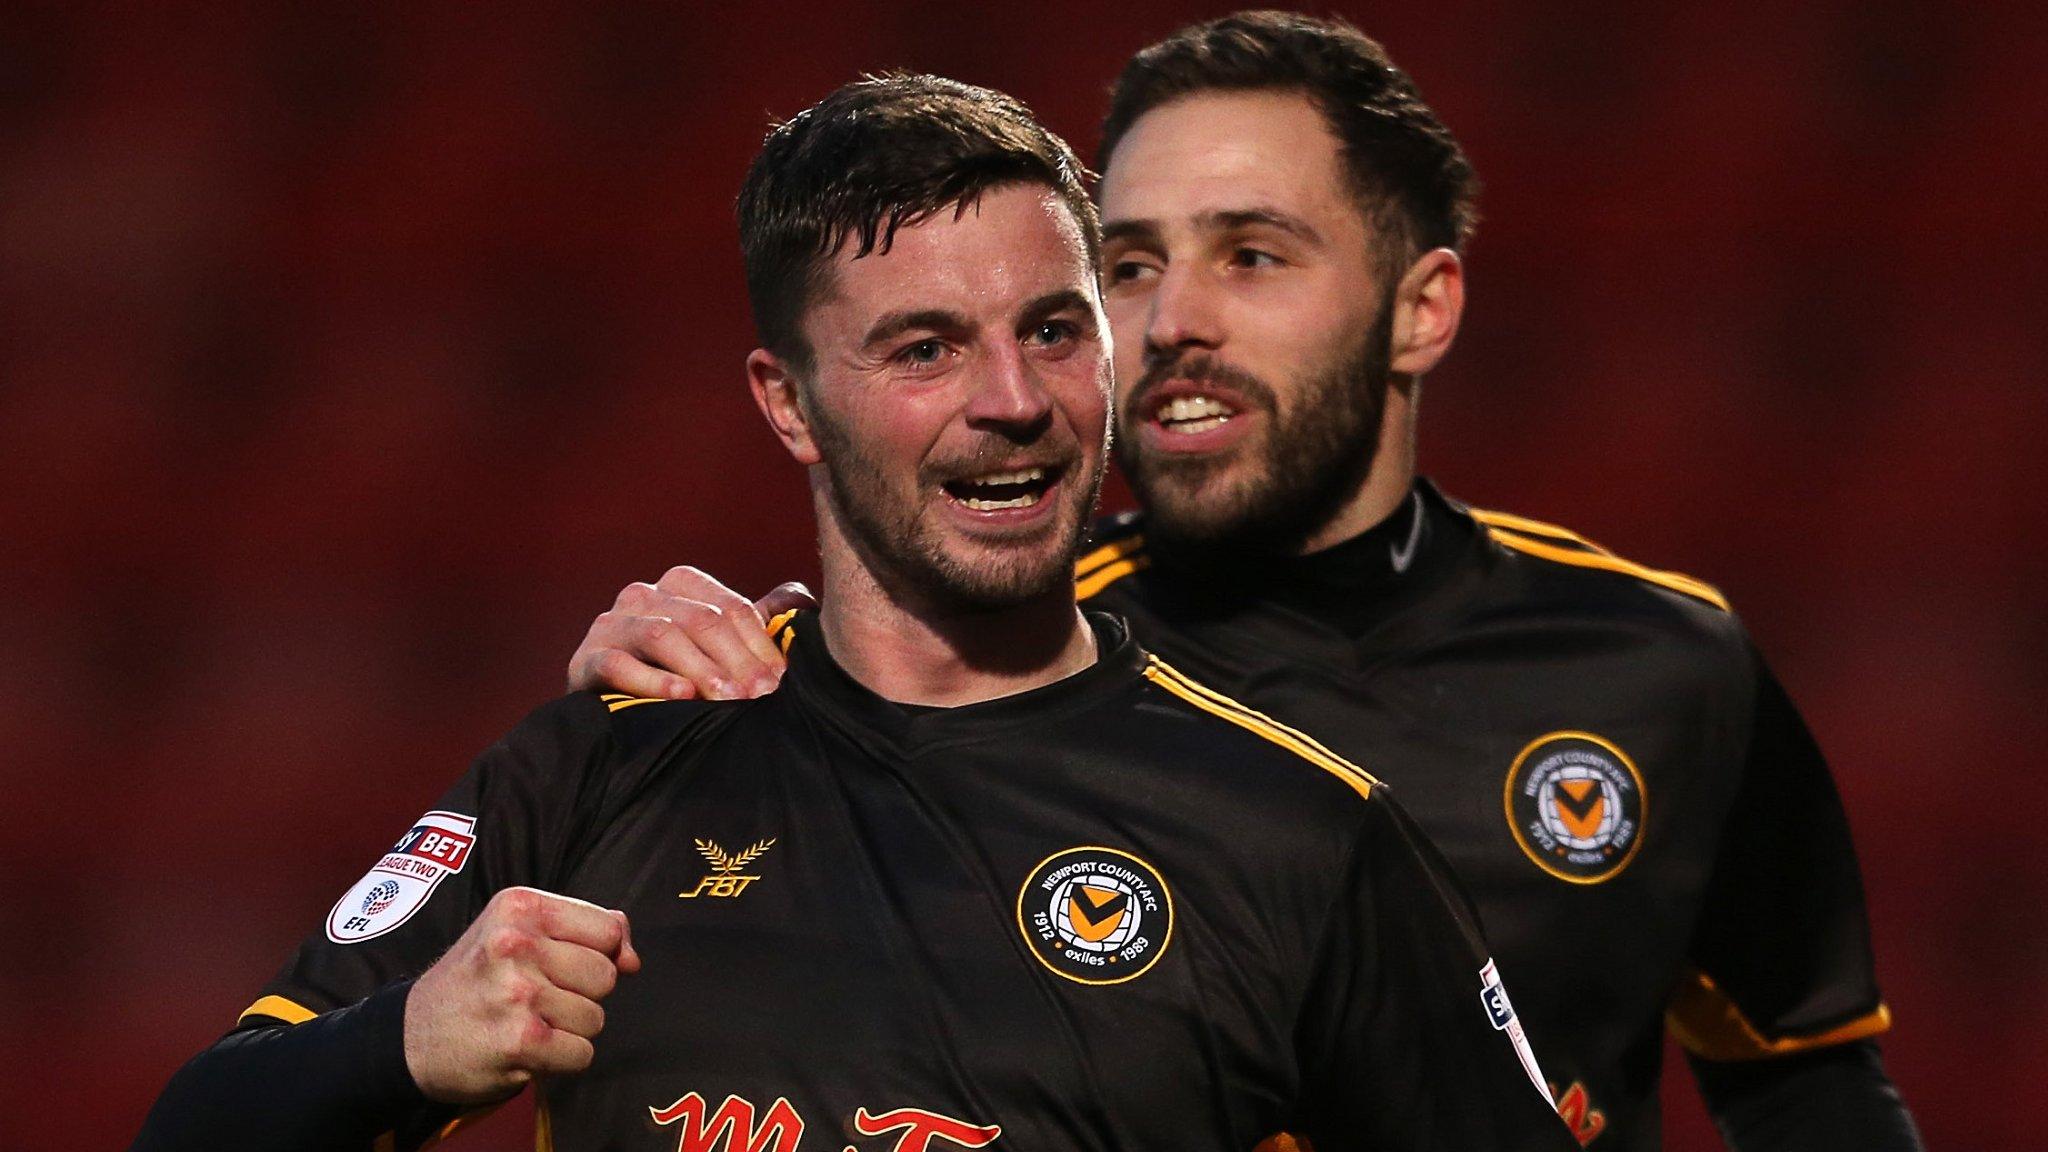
(725, 879)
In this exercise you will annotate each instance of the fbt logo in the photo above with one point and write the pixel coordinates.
(737, 1127)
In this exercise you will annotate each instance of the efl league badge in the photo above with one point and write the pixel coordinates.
(1095, 915)
(1575, 803)
(435, 849)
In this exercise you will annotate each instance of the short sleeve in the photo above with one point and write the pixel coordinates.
(1407, 1037)
(1781, 958)
(509, 821)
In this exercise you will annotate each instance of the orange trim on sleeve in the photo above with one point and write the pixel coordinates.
(278, 1008)
(1712, 1027)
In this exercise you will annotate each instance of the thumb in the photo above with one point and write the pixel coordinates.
(783, 598)
(627, 959)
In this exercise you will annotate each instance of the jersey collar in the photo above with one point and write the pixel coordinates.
(820, 681)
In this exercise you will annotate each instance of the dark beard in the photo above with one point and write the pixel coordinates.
(902, 552)
(1314, 460)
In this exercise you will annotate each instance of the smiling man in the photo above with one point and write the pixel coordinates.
(984, 873)
(1651, 834)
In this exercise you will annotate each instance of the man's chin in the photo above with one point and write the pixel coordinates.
(991, 574)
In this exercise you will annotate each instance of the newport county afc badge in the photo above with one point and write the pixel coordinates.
(1575, 804)
(1095, 915)
(725, 878)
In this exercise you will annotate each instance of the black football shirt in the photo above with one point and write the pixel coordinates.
(1119, 912)
(1647, 827)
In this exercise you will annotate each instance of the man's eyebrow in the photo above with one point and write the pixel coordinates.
(1053, 303)
(1143, 231)
(1228, 220)
(895, 324)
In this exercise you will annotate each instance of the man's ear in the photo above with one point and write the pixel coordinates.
(775, 393)
(1428, 304)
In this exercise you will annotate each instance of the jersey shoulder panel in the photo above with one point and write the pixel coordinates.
(1563, 546)
(1284, 743)
(1118, 552)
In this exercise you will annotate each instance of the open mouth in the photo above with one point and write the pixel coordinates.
(1000, 491)
(1189, 415)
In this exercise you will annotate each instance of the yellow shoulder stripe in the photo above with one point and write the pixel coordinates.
(780, 631)
(1114, 550)
(278, 1008)
(1530, 527)
(621, 705)
(1709, 1024)
(1103, 577)
(1676, 581)
(1300, 743)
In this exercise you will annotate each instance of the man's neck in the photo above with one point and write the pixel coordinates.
(1387, 483)
(914, 653)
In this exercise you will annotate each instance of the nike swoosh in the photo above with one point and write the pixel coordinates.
(1404, 555)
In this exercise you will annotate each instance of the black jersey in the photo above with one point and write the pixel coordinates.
(1649, 831)
(1118, 912)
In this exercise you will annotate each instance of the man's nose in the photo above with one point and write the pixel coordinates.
(1011, 398)
(1183, 313)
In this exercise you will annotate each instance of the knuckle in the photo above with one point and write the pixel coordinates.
(639, 592)
(507, 942)
(696, 614)
(607, 665)
(651, 629)
(519, 904)
(530, 1038)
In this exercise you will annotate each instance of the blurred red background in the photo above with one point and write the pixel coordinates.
(352, 356)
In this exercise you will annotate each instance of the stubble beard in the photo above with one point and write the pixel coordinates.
(905, 552)
(1314, 458)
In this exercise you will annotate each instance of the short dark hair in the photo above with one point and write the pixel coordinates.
(1404, 166)
(875, 155)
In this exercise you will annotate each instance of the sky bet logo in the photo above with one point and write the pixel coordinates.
(443, 846)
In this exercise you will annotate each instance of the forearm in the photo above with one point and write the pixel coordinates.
(1834, 1098)
(336, 1081)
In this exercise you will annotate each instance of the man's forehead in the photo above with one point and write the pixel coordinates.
(1009, 245)
(1223, 152)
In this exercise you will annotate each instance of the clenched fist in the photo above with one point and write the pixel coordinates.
(516, 997)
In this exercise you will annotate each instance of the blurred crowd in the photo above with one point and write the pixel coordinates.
(352, 357)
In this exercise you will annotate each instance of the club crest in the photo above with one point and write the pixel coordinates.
(1095, 915)
(1575, 804)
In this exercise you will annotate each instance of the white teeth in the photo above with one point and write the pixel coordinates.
(980, 505)
(1024, 476)
(1191, 427)
(1207, 410)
